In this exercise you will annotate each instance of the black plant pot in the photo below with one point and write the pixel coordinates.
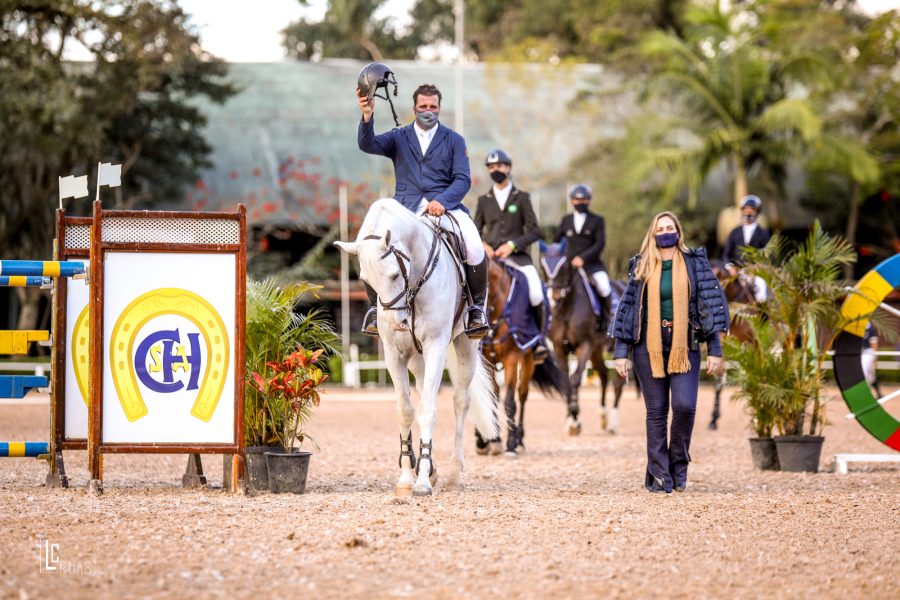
(765, 456)
(256, 472)
(799, 453)
(288, 471)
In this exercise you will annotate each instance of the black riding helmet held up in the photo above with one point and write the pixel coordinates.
(374, 76)
(497, 156)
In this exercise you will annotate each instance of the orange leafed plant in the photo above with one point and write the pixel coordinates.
(293, 385)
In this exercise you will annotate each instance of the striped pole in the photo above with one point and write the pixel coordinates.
(24, 281)
(28, 449)
(44, 268)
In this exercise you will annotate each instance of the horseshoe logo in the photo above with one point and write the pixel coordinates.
(169, 301)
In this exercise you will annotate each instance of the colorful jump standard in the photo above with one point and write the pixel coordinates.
(857, 309)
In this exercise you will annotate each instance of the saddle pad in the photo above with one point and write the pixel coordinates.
(517, 312)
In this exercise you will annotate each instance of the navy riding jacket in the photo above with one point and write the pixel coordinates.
(442, 174)
(707, 307)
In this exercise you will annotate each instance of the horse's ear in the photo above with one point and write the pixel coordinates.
(387, 237)
(348, 247)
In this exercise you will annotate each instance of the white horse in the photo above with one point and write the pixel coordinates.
(418, 288)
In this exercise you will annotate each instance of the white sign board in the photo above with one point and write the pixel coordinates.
(168, 329)
(78, 337)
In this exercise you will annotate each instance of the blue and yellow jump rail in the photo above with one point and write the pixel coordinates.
(41, 268)
(16, 386)
(24, 281)
(24, 449)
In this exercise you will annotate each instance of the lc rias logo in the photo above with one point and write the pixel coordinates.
(166, 360)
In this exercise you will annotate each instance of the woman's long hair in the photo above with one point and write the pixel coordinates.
(650, 256)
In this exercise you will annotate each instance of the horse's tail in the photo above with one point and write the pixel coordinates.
(483, 399)
(551, 379)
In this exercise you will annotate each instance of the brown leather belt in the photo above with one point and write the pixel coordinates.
(668, 324)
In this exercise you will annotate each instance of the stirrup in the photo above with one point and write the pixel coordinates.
(476, 331)
(406, 449)
(539, 353)
(370, 326)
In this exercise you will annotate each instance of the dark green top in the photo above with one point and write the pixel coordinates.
(665, 291)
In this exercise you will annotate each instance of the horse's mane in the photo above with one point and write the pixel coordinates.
(382, 215)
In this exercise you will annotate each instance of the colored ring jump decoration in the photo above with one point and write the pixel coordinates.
(872, 289)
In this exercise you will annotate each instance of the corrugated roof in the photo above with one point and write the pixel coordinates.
(286, 141)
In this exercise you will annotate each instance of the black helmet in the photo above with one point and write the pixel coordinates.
(580, 191)
(497, 156)
(373, 76)
(752, 201)
(377, 75)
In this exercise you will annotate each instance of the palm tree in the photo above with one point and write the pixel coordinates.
(722, 96)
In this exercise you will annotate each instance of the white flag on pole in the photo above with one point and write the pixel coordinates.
(73, 187)
(109, 174)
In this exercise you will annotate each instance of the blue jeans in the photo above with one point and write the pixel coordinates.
(668, 456)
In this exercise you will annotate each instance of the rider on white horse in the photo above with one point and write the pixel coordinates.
(431, 168)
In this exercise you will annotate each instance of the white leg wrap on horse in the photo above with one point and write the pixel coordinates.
(613, 421)
(601, 280)
(535, 287)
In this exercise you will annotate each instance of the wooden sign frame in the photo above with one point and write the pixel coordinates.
(143, 239)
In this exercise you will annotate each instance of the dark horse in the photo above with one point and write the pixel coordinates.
(518, 365)
(573, 331)
(737, 290)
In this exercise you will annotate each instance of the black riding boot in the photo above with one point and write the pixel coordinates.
(540, 349)
(605, 313)
(476, 320)
(370, 321)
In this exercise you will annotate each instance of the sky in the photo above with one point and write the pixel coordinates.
(242, 31)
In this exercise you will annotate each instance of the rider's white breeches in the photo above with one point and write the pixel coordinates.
(470, 236)
(601, 282)
(535, 289)
(761, 291)
(868, 365)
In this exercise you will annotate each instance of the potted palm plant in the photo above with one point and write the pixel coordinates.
(274, 328)
(798, 323)
(292, 388)
(760, 363)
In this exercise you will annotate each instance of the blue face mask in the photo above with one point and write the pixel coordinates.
(666, 240)
(581, 208)
(426, 119)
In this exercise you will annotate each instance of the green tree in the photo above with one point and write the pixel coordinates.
(723, 94)
(130, 104)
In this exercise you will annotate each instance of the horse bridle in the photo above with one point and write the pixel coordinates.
(409, 292)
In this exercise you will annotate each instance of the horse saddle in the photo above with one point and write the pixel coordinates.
(517, 312)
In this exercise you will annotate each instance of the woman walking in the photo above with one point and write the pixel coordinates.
(671, 304)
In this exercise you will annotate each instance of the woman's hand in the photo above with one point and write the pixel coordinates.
(622, 367)
(713, 364)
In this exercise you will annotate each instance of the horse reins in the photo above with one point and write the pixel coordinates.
(410, 292)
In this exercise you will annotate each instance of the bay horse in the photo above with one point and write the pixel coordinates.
(503, 348)
(406, 261)
(572, 331)
(737, 291)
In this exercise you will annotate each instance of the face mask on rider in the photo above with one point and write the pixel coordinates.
(427, 119)
(666, 240)
(748, 218)
(498, 176)
(581, 208)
